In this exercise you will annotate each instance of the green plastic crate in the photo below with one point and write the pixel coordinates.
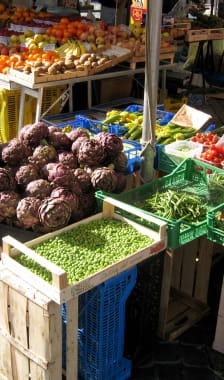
(214, 232)
(165, 162)
(190, 176)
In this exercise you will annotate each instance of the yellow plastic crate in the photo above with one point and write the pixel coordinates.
(173, 105)
(9, 109)
(49, 96)
(9, 113)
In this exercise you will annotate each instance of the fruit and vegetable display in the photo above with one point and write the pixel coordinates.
(88, 248)
(133, 122)
(175, 205)
(48, 178)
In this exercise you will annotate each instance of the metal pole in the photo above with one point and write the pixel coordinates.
(153, 30)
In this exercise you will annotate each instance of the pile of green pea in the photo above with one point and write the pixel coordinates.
(88, 248)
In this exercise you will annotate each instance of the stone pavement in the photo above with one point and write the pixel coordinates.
(190, 357)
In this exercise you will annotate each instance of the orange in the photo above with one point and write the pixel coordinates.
(64, 20)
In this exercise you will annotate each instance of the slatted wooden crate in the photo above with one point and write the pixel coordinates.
(30, 318)
(185, 287)
(195, 35)
(218, 343)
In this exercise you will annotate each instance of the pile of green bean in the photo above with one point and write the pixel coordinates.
(88, 248)
(175, 205)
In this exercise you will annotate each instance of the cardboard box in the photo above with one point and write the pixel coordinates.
(115, 88)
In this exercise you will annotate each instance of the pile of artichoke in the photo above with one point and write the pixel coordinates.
(48, 178)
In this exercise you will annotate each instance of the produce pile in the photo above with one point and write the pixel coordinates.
(132, 122)
(88, 248)
(48, 178)
(216, 188)
(176, 205)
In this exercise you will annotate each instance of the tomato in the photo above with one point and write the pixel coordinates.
(208, 171)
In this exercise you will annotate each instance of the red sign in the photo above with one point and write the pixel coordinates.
(137, 13)
(157, 248)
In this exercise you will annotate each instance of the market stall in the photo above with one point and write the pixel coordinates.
(70, 184)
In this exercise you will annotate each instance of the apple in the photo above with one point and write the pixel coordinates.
(28, 33)
(52, 40)
(14, 38)
(91, 29)
(122, 34)
(83, 36)
(12, 51)
(24, 49)
(99, 33)
(100, 41)
(91, 38)
(38, 38)
(165, 34)
(22, 38)
(32, 45)
(41, 44)
(5, 50)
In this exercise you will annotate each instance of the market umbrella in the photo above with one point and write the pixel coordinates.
(153, 30)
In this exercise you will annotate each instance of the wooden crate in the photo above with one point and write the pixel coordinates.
(165, 54)
(216, 34)
(185, 287)
(31, 334)
(218, 343)
(30, 318)
(195, 35)
(41, 78)
(59, 292)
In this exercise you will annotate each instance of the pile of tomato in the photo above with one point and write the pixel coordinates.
(205, 138)
(215, 155)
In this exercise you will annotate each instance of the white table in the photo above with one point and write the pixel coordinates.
(36, 90)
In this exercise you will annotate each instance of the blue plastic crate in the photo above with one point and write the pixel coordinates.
(163, 117)
(101, 329)
(97, 126)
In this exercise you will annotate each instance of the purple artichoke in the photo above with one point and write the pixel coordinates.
(84, 179)
(34, 134)
(61, 175)
(45, 169)
(26, 174)
(14, 152)
(120, 162)
(59, 140)
(71, 198)
(7, 182)
(88, 204)
(40, 188)
(77, 143)
(75, 187)
(2, 146)
(52, 129)
(121, 183)
(111, 143)
(68, 158)
(54, 212)
(90, 169)
(76, 133)
(8, 203)
(104, 179)
(42, 155)
(28, 150)
(23, 130)
(91, 153)
(27, 211)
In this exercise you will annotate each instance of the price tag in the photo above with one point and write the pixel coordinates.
(49, 47)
